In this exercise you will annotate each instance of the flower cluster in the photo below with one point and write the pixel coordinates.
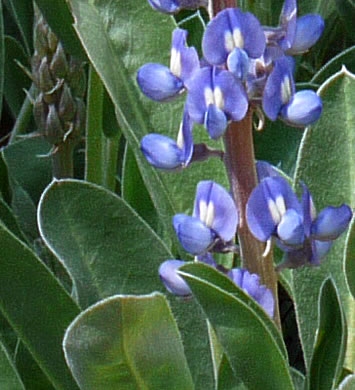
(243, 64)
(274, 211)
(212, 228)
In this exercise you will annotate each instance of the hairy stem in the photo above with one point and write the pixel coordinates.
(240, 164)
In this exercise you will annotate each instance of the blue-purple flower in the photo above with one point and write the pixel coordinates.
(160, 83)
(250, 283)
(280, 99)
(273, 210)
(174, 6)
(214, 97)
(214, 221)
(164, 153)
(232, 29)
(173, 282)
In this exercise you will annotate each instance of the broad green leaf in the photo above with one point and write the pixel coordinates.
(134, 191)
(241, 328)
(60, 20)
(226, 378)
(119, 37)
(9, 377)
(36, 306)
(28, 164)
(349, 258)
(108, 249)
(22, 13)
(5, 190)
(348, 383)
(96, 235)
(8, 218)
(127, 342)
(329, 349)
(15, 78)
(346, 57)
(326, 165)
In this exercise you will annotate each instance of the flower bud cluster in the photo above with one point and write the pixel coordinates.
(59, 108)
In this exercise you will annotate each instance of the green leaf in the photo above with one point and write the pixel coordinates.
(326, 165)
(5, 190)
(9, 220)
(346, 57)
(349, 258)
(60, 20)
(108, 249)
(127, 342)
(329, 349)
(134, 191)
(2, 57)
(36, 306)
(298, 379)
(242, 328)
(95, 235)
(348, 383)
(15, 78)
(27, 165)
(119, 37)
(22, 13)
(9, 378)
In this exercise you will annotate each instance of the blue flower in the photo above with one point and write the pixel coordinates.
(164, 153)
(273, 210)
(174, 6)
(171, 279)
(232, 29)
(280, 99)
(160, 83)
(214, 220)
(214, 97)
(250, 283)
(309, 28)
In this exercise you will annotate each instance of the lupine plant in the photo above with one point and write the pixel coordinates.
(177, 194)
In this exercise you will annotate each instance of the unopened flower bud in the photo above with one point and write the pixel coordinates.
(66, 107)
(54, 131)
(59, 63)
(46, 82)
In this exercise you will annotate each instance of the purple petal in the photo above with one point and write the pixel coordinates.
(161, 151)
(319, 250)
(237, 63)
(290, 229)
(194, 236)
(288, 22)
(264, 169)
(232, 28)
(165, 6)
(308, 30)
(215, 121)
(267, 204)
(158, 83)
(207, 258)
(185, 138)
(215, 207)
(309, 210)
(184, 60)
(304, 109)
(279, 88)
(250, 283)
(331, 223)
(171, 279)
(234, 96)
(198, 87)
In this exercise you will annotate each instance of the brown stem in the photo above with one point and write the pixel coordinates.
(240, 163)
(218, 5)
(62, 160)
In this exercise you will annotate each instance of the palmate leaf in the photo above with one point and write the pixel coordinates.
(108, 249)
(326, 166)
(129, 343)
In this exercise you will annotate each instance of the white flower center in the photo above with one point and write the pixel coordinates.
(175, 62)
(286, 91)
(214, 97)
(231, 41)
(277, 208)
(207, 213)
